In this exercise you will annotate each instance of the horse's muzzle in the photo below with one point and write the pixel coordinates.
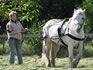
(78, 29)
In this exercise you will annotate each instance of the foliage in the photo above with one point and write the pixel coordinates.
(88, 50)
(88, 5)
(57, 8)
(35, 44)
(28, 14)
(27, 11)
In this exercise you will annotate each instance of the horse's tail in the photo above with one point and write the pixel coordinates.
(43, 50)
(43, 47)
(44, 33)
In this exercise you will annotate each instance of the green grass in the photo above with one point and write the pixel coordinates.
(35, 63)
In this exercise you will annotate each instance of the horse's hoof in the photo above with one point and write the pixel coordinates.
(49, 65)
(71, 66)
(52, 65)
(74, 66)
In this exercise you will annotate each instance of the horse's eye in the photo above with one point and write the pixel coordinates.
(80, 13)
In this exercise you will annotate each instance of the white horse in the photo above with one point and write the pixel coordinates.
(69, 33)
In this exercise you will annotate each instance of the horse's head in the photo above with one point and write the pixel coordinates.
(78, 19)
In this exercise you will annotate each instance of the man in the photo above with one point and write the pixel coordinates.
(14, 30)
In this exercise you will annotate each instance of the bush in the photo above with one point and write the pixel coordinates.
(32, 46)
(88, 51)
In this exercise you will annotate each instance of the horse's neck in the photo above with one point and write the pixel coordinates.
(70, 29)
(82, 34)
(76, 34)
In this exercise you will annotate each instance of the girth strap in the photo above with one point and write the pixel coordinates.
(59, 34)
(60, 37)
(62, 34)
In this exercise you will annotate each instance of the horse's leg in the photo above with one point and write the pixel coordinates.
(70, 50)
(54, 50)
(52, 54)
(78, 57)
(45, 52)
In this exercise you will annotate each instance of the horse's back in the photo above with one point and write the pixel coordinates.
(51, 24)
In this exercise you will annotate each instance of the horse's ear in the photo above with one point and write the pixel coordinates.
(74, 10)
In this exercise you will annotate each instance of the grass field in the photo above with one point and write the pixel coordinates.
(35, 63)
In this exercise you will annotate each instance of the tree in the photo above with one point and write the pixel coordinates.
(88, 5)
(58, 8)
(27, 11)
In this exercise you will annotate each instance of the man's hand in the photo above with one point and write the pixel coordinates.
(15, 32)
(25, 30)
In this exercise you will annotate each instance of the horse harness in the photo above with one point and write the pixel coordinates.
(63, 34)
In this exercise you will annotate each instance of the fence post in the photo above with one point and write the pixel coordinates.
(3, 45)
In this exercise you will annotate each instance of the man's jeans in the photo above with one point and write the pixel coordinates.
(15, 44)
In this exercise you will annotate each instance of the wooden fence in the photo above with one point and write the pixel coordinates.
(27, 36)
(3, 37)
